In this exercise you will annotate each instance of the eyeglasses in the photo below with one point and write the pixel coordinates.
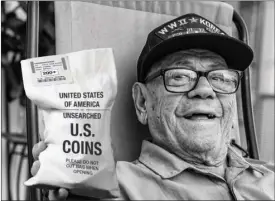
(178, 80)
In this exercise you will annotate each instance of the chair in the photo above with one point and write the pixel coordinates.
(67, 46)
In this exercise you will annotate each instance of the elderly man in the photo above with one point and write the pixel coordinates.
(188, 73)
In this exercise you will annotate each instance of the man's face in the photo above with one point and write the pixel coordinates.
(183, 122)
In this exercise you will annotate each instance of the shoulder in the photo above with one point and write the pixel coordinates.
(135, 173)
(259, 163)
(135, 180)
(124, 168)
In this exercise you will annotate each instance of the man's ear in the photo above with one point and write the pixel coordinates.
(140, 96)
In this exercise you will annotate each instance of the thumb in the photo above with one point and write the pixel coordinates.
(58, 194)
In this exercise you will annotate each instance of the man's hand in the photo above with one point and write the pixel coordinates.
(58, 194)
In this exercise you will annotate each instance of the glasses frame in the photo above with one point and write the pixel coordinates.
(162, 72)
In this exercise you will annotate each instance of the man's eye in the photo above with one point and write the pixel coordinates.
(178, 80)
(179, 77)
(217, 79)
(221, 79)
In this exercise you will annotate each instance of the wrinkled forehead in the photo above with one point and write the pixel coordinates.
(191, 58)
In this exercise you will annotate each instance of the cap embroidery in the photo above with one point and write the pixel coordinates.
(188, 24)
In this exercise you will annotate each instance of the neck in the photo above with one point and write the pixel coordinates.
(214, 162)
(218, 169)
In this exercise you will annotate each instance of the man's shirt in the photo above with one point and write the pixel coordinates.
(161, 175)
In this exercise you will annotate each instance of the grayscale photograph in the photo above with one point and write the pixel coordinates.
(137, 100)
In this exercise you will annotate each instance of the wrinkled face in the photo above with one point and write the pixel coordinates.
(193, 123)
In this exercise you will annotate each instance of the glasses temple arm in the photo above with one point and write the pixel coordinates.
(153, 76)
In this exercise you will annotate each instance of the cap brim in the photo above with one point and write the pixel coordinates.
(236, 53)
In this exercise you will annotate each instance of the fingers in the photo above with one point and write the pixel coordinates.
(38, 148)
(35, 167)
(45, 193)
(59, 194)
(63, 194)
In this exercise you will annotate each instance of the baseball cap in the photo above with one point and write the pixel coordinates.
(188, 32)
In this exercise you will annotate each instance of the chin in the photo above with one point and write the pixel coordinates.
(199, 146)
(203, 139)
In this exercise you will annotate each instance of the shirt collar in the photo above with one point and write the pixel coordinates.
(168, 165)
(161, 161)
(237, 161)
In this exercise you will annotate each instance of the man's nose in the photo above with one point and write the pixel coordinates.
(202, 90)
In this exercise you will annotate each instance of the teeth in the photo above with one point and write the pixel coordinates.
(211, 116)
(188, 116)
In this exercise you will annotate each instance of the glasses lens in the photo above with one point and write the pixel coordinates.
(180, 80)
(224, 81)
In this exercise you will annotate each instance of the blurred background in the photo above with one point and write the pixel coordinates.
(258, 15)
(13, 103)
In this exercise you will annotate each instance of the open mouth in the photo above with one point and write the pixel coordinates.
(200, 116)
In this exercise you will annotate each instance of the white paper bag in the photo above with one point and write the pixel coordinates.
(75, 93)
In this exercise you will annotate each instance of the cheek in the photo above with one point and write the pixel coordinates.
(163, 111)
(229, 107)
(167, 110)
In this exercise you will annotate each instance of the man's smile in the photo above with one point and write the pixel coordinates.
(200, 116)
(202, 113)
